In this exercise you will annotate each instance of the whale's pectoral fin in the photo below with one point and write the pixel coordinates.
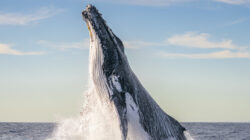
(117, 96)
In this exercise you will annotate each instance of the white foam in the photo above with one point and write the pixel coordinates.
(99, 120)
(68, 129)
(188, 136)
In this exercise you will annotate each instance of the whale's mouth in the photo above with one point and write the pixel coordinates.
(87, 15)
(90, 32)
(94, 21)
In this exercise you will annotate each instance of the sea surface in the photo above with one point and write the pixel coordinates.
(199, 131)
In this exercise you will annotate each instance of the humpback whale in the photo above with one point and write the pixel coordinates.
(117, 97)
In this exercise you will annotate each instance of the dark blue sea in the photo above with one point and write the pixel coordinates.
(199, 131)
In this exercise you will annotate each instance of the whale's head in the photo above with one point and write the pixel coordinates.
(108, 62)
(103, 40)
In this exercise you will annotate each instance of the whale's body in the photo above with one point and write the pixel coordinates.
(121, 106)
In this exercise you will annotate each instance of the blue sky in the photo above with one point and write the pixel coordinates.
(193, 56)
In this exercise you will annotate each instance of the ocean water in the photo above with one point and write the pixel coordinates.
(219, 131)
(199, 131)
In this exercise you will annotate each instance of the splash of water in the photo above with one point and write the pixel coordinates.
(98, 122)
(100, 119)
(68, 129)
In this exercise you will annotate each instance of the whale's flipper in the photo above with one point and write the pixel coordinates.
(115, 85)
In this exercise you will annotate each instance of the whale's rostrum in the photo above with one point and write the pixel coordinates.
(119, 94)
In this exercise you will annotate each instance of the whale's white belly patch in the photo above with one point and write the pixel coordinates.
(135, 129)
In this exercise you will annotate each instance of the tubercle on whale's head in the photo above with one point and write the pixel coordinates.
(111, 46)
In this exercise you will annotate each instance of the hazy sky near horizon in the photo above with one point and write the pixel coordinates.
(193, 56)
